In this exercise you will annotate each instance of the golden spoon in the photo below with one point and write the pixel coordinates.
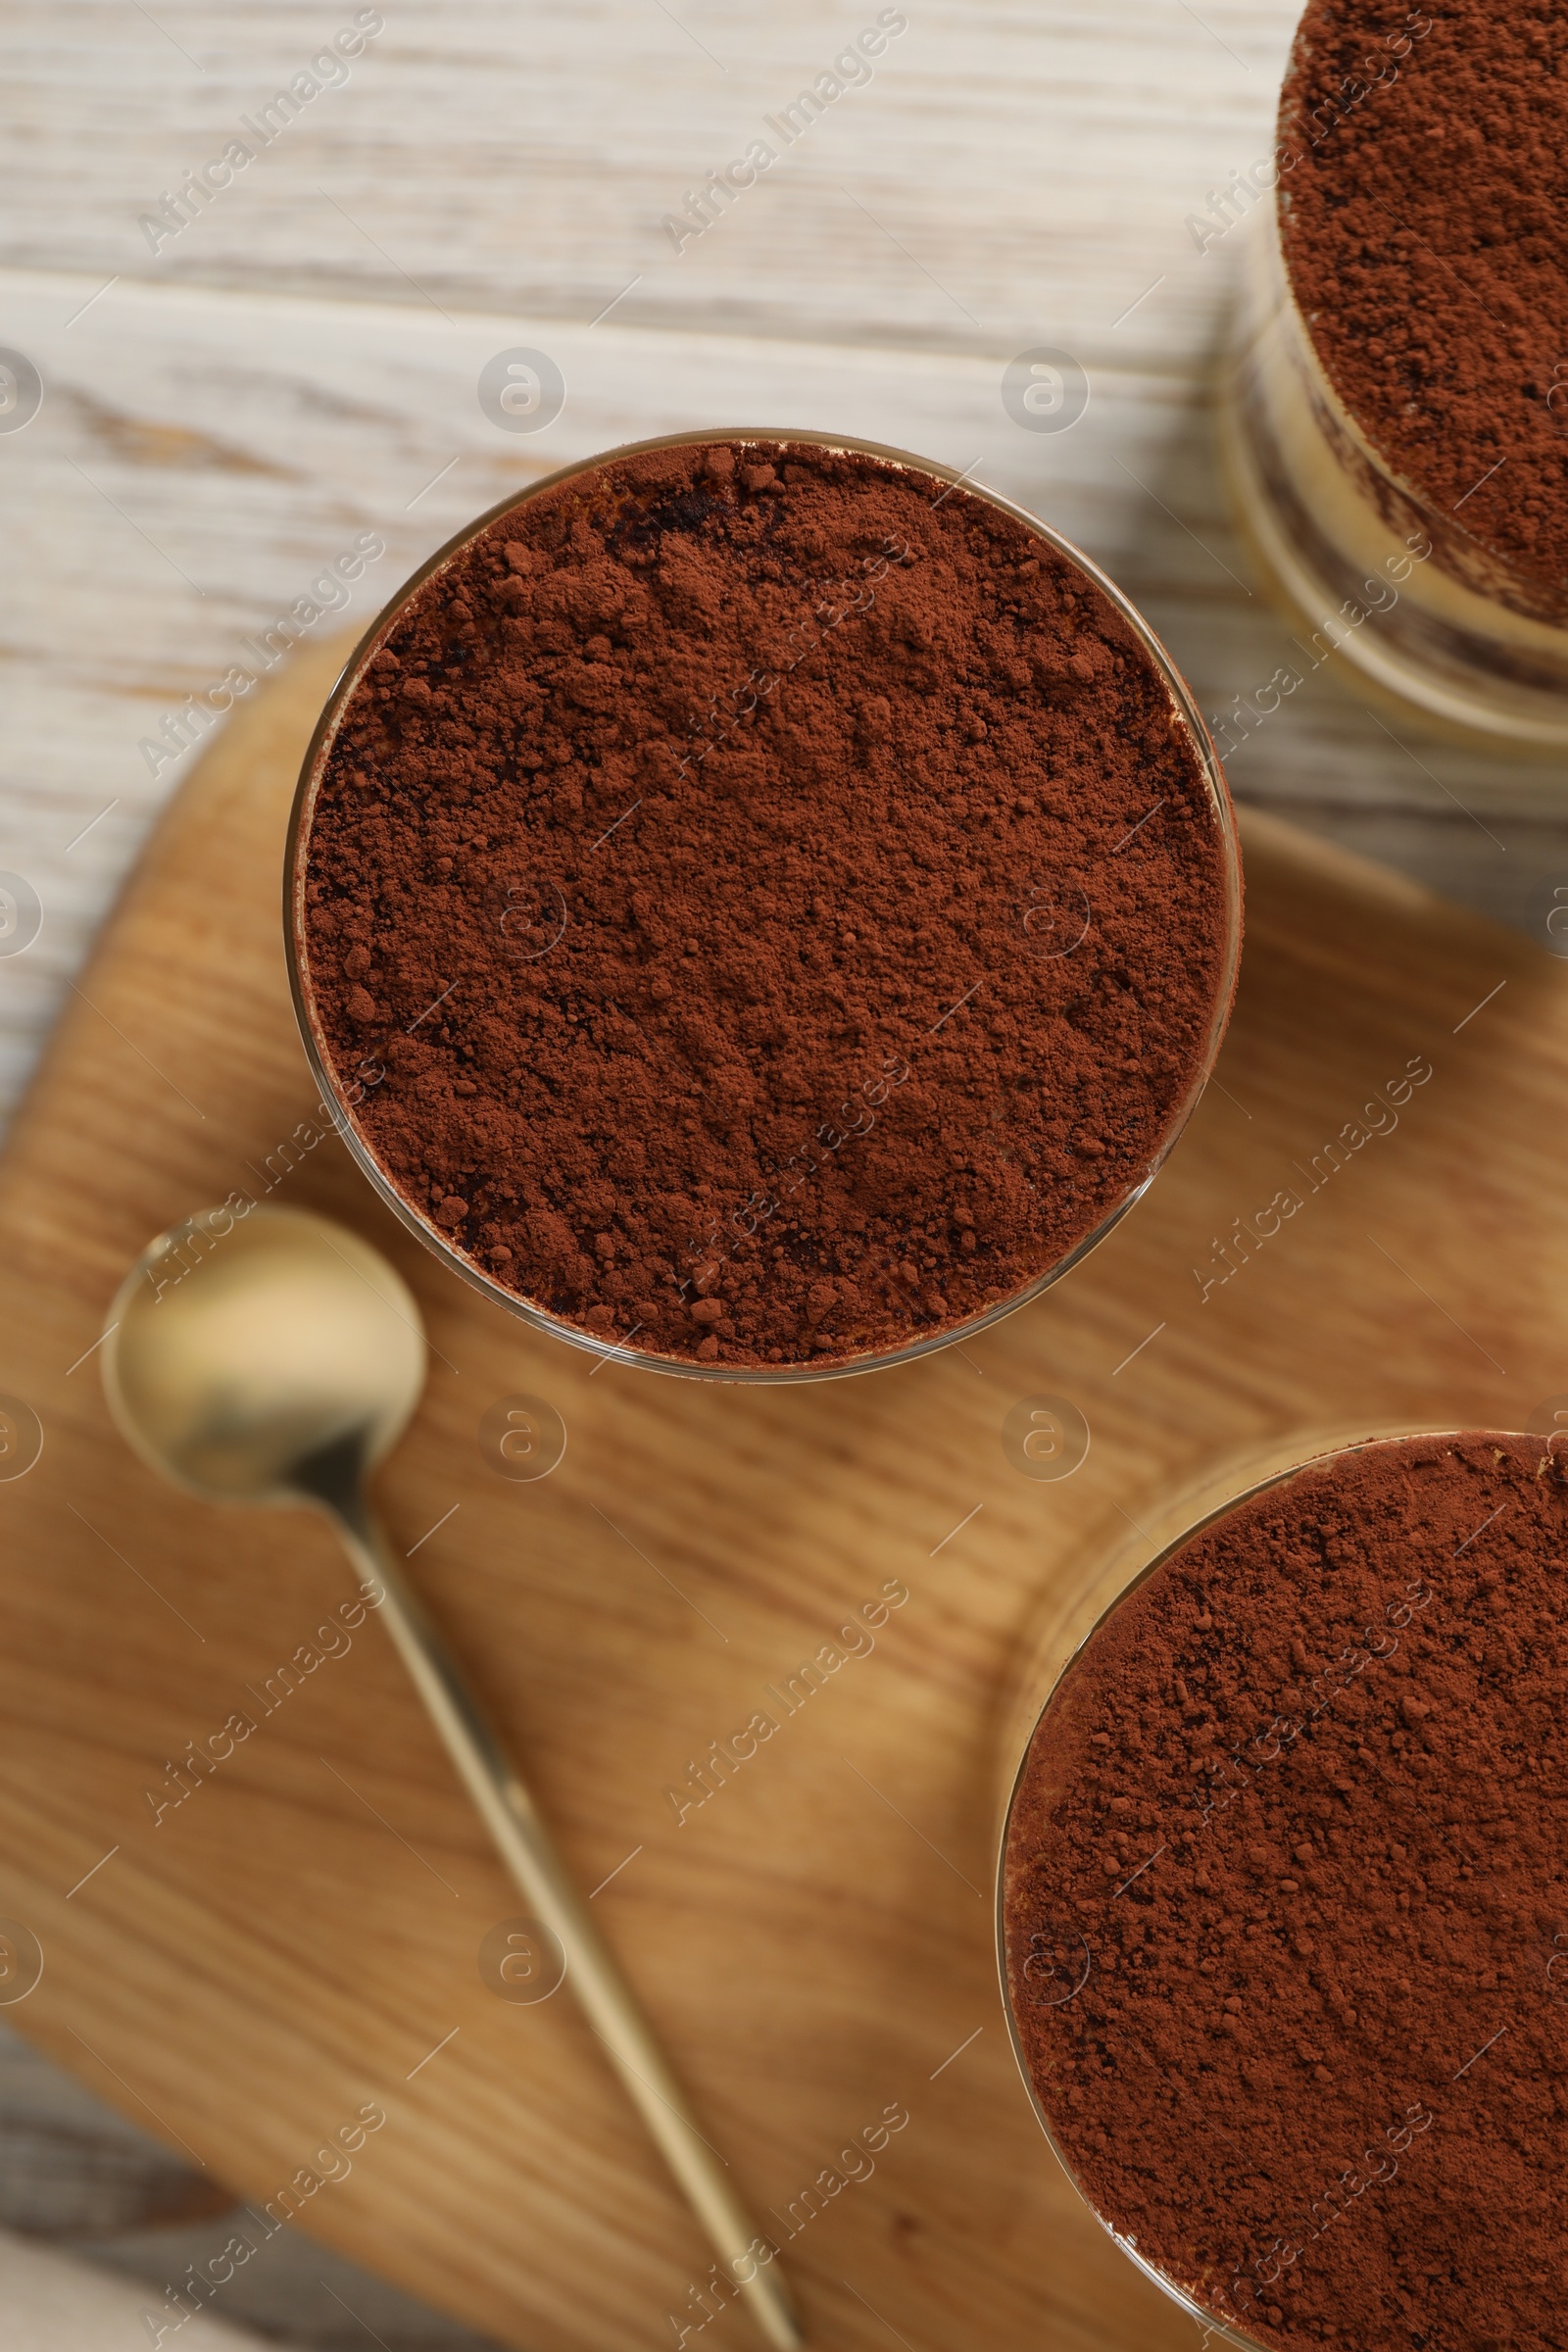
(275, 1358)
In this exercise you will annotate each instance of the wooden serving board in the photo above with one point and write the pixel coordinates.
(294, 1940)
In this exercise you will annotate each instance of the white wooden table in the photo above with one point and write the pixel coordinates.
(228, 408)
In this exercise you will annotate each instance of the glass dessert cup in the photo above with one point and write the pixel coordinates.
(1045, 1678)
(1435, 623)
(335, 1094)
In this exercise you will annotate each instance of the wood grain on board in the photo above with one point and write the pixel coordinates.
(300, 1936)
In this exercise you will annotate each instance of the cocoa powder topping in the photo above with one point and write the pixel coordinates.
(1424, 168)
(1286, 1915)
(779, 899)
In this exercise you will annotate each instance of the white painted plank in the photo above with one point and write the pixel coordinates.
(1038, 159)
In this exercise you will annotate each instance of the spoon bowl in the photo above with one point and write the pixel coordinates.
(243, 1350)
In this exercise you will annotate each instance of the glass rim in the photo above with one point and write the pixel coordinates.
(332, 1092)
(1226, 2330)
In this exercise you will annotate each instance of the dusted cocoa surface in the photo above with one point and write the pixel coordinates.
(762, 903)
(1310, 2057)
(1423, 170)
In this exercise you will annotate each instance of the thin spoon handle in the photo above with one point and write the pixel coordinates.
(529, 1853)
